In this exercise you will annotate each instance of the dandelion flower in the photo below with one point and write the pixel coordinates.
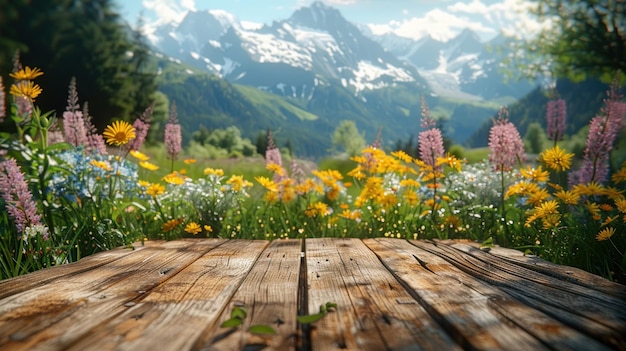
(605, 234)
(193, 228)
(119, 133)
(26, 89)
(174, 178)
(149, 166)
(26, 73)
(212, 171)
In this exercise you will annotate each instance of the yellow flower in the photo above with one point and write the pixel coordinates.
(144, 183)
(267, 183)
(189, 161)
(556, 159)
(208, 228)
(594, 209)
(26, 73)
(410, 183)
(210, 171)
(193, 228)
(608, 221)
(317, 209)
(238, 183)
(26, 89)
(174, 178)
(155, 189)
(139, 155)
(101, 164)
(401, 155)
(621, 205)
(149, 166)
(451, 161)
(590, 189)
(171, 224)
(613, 193)
(119, 133)
(535, 174)
(548, 211)
(568, 197)
(620, 176)
(605, 234)
(273, 167)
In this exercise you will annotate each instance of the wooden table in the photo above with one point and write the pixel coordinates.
(391, 294)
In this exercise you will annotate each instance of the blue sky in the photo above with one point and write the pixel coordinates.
(410, 18)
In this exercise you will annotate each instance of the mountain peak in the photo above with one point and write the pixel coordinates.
(317, 15)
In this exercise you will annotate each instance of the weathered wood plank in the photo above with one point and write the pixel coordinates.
(593, 314)
(41, 277)
(565, 273)
(176, 313)
(476, 314)
(270, 294)
(374, 312)
(58, 314)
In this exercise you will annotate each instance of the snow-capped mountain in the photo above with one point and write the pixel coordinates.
(462, 67)
(316, 45)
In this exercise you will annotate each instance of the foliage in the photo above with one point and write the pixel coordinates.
(82, 39)
(347, 137)
(579, 39)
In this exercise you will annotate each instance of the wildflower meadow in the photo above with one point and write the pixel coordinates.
(68, 191)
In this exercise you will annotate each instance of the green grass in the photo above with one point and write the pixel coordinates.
(274, 104)
(476, 155)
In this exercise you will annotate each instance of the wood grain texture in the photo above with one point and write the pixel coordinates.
(270, 294)
(391, 294)
(374, 312)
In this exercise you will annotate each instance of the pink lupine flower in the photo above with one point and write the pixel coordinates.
(273, 156)
(17, 198)
(173, 136)
(74, 129)
(142, 126)
(430, 146)
(427, 121)
(430, 141)
(603, 131)
(505, 144)
(3, 111)
(95, 141)
(556, 115)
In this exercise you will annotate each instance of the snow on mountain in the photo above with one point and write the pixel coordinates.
(316, 45)
(463, 67)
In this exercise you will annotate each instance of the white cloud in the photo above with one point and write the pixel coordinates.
(169, 11)
(439, 24)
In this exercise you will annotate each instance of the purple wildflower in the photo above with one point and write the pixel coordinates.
(555, 117)
(427, 120)
(173, 138)
(430, 146)
(18, 199)
(273, 156)
(95, 141)
(141, 125)
(603, 131)
(430, 141)
(505, 144)
(73, 122)
(3, 111)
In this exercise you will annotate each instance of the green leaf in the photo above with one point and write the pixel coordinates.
(261, 329)
(232, 323)
(311, 318)
(330, 305)
(239, 312)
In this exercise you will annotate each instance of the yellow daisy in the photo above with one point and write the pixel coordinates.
(139, 155)
(119, 133)
(171, 224)
(535, 174)
(174, 178)
(149, 166)
(605, 234)
(26, 73)
(211, 171)
(556, 159)
(155, 189)
(27, 89)
(193, 228)
(101, 164)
